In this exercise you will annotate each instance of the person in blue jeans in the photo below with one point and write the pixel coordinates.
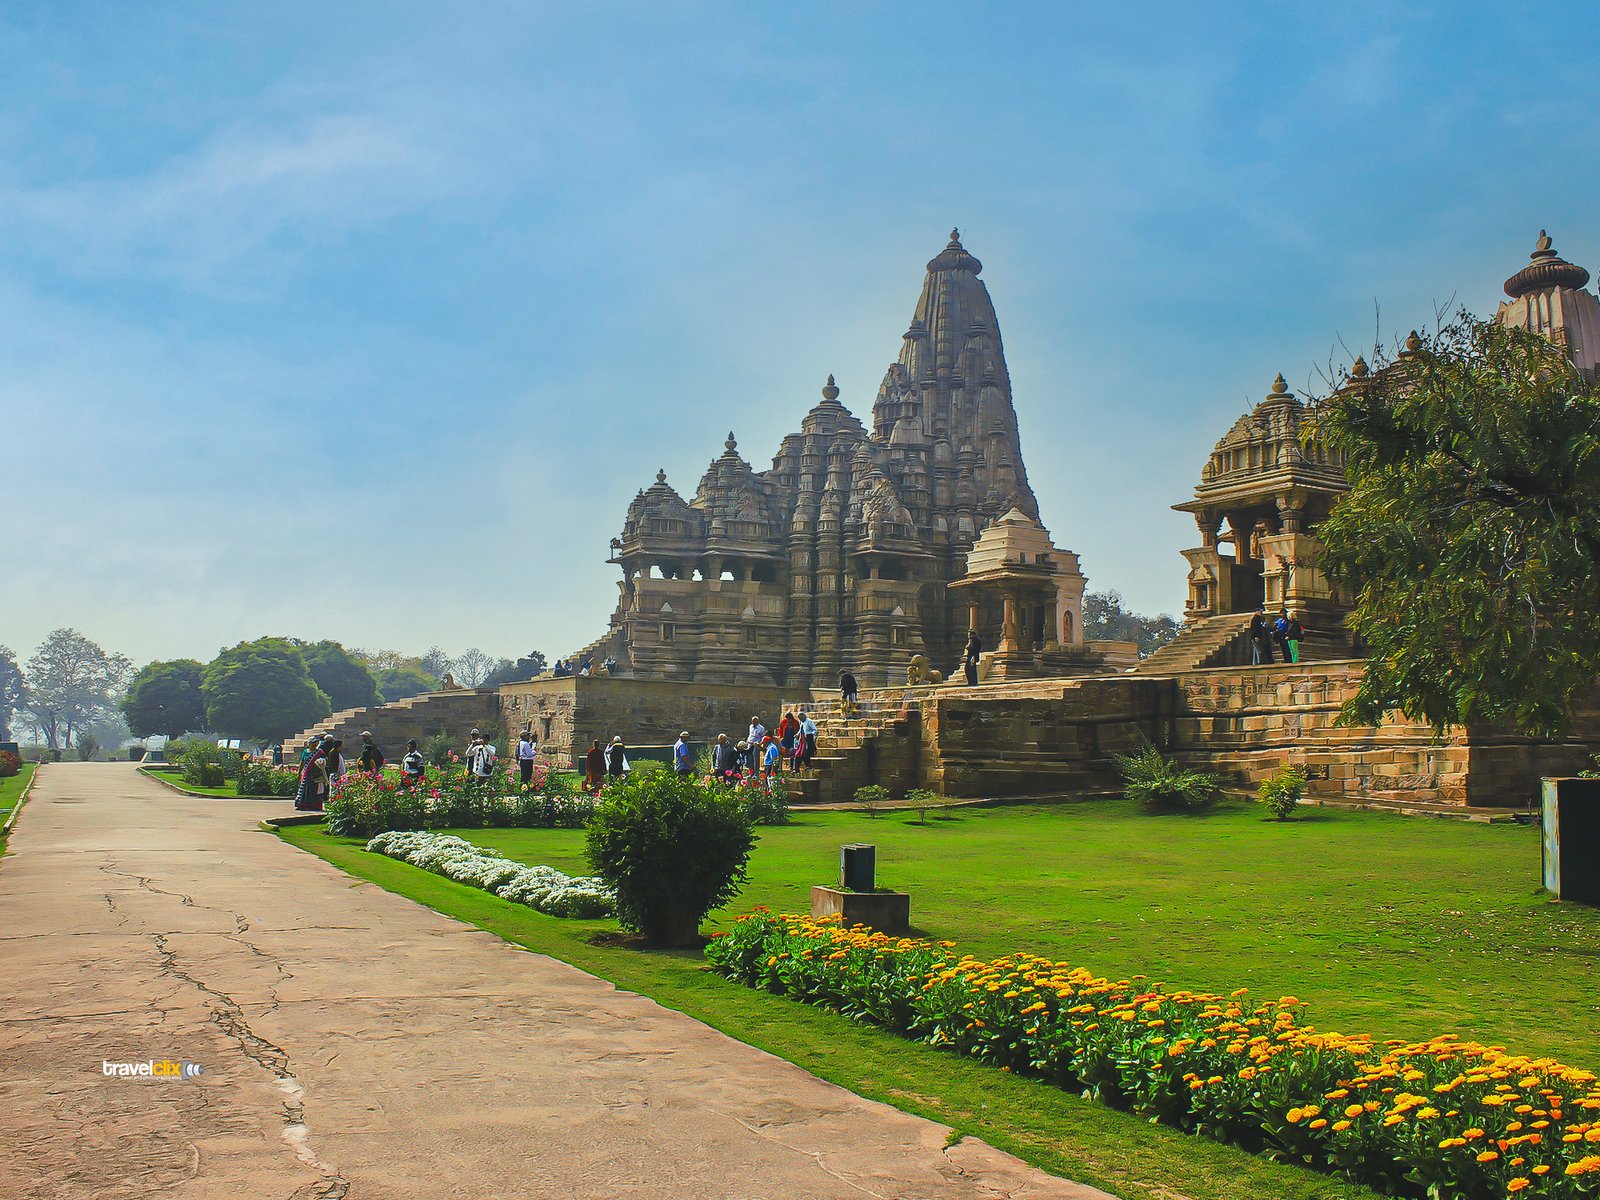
(682, 760)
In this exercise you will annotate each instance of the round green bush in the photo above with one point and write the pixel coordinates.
(674, 848)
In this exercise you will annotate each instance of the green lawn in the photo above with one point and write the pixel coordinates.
(11, 789)
(175, 778)
(1402, 927)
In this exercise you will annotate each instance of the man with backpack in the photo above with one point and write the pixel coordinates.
(372, 759)
(481, 759)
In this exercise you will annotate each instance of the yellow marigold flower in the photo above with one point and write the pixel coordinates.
(1472, 1135)
(1355, 1110)
(1542, 1169)
(1424, 1114)
(1488, 1155)
(1319, 1123)
(1517, 1184)
(1450, 1143)
(1340, 1126)
(1293, 1116)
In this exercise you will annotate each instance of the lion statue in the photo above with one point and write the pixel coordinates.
(918, 672)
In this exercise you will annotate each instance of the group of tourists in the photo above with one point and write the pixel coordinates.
(760, 753)
(1286, 632)
(565, 668)
(323, 766)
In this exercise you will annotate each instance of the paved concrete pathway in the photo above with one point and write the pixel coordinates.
(355, 1044)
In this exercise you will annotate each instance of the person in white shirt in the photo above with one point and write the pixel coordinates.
(481, 760)
(527, 754)
(757, 732)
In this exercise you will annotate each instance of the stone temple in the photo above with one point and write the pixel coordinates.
(862, 548)
(840, 555)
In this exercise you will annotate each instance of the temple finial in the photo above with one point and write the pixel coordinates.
(955, 236)
(731, 443)
(661, 475)
(1543, 247)
(831, 390)
(1279, 386)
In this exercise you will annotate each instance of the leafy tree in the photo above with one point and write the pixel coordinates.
(472, 668)
(379, 660)
(1469, 541)
(345, 681)
(437, 663)
(261, 690)
(12, 691)
(524, 668)
(71, 680)
(1105, 619)
(397, 683)
(164, 697)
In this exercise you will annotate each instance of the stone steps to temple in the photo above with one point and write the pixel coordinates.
(1211, 641)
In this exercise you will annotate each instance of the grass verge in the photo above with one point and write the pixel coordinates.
(1395, 926)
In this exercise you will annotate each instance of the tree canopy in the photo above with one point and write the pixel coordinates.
(526, 667)
(343, 679)
(1469, 541)
(397, 683)
(1106, 619)
(12, 691)
(164, 697)
(261, 690)
(71, 681)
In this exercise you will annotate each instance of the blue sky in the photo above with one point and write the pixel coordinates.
(366, 321)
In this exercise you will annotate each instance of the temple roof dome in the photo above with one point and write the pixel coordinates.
(954, 257)
(1547, 270)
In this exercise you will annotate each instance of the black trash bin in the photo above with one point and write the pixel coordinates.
(1571, 819)
(858, 867)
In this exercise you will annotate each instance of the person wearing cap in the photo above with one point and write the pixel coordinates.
(372, 759)
(771, 756)
(682, 760)
(616, 759)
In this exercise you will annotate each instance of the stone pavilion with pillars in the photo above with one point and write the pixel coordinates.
(1038, 590)
(1261, 495)
(1266, 488)
(841, 555)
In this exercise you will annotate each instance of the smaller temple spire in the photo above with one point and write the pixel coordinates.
(1545, 271)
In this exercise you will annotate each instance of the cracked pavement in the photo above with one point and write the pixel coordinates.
(356, 1045)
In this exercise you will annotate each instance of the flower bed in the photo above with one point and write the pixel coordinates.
(543, 888)
(365, 804)
(258, 777)
(1444, 1118)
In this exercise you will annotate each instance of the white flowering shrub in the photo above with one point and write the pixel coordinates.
(543, 888)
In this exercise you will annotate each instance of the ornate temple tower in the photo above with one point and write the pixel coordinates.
(841, 554)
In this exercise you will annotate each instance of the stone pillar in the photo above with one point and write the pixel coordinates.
(1008, 626)
(972, 612)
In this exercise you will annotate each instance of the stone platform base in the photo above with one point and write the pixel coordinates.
(887, 912)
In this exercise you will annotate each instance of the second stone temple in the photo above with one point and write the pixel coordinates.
(841, 555)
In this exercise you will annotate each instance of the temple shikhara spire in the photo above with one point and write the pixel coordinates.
(841, 554)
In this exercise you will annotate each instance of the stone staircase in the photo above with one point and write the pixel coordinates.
(1222, 641)
(877, 743)
(420, 717)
